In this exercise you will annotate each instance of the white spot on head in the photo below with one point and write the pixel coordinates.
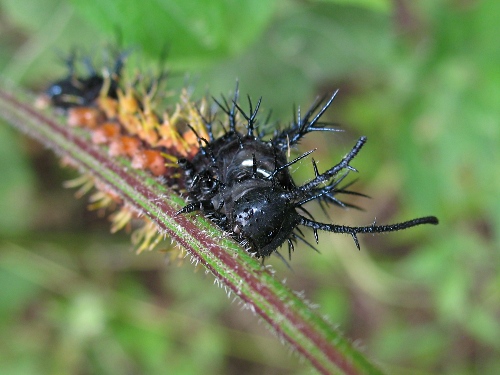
(249, 163)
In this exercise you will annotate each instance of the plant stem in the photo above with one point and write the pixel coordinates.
(288, 314)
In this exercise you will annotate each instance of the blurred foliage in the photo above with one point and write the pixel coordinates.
(420, 79)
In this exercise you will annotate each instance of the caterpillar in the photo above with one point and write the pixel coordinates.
(243, 182)
(240, 179)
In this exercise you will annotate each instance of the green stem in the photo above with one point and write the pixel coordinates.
(241, 274)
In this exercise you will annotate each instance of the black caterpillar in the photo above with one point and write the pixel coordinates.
(75, 91)
(243, 183)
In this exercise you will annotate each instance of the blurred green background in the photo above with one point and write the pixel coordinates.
(420, 79)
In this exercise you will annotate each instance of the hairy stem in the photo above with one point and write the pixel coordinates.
(288, 314)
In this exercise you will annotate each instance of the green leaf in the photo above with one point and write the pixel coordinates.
(193, 31)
